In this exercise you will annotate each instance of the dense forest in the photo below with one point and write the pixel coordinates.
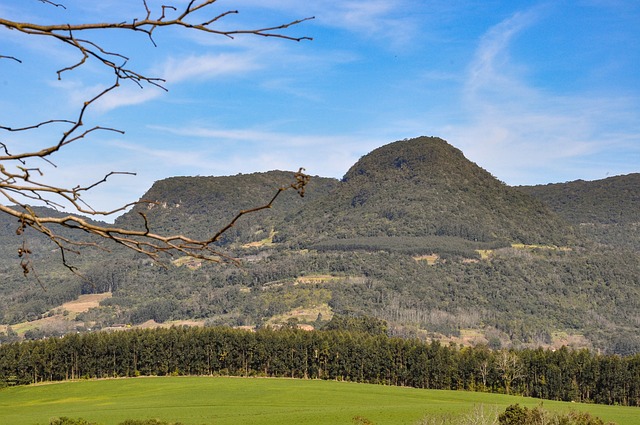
(414, 234)
(362, 354)
(606, 211)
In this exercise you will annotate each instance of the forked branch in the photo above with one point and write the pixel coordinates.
(23, 183)
(144, 241)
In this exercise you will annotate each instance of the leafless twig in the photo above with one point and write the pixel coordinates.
(22, 183)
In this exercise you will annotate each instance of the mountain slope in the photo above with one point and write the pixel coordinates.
(199, 206)
(607, 210)
(414, 234)
(613, 200)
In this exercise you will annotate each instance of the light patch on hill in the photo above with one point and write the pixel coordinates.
(303, 316)
(62, 318)
(576, 341)
(191, 263)
(152, 324)
(531, 247)
(268, 241)
(84, 303)
(430, 259)
(486, 254)
(318, 278)
(314, 279)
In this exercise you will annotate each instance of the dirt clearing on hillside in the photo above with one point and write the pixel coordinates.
(85, 302)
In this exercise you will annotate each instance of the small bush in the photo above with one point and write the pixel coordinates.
(478, 416)
(517, 415)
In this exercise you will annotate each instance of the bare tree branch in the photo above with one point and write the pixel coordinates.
(66, 34)
(52, 3)
(22, 183)
(10, 57)
(142, 241)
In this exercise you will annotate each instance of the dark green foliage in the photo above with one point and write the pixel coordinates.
(199, 206)
(514, 415)
(613, 200)
(517, 415)
(364, 324)
(9, 336)
(159, 310)
(444, 246)
(415, 235)
(604, 210)
(424, 187)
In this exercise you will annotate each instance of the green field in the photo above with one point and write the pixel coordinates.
(208, 400)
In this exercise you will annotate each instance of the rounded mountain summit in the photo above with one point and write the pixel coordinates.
(425, 187)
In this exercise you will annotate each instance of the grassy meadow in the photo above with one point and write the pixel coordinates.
(222, 400)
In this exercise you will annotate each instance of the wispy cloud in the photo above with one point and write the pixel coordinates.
(202, 67)
(384, 20)
(491, 70)
(518, 130)
(227, 151)
(174, 70)
(128, 96)
(373, 18)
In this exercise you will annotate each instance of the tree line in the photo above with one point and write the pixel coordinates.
(372, 357)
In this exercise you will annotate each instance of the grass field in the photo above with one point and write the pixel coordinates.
(221, 401)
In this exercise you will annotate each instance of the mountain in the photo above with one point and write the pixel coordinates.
(414, 234)
(604, 210)
(613, 200)
(198, 206)
(426, 187)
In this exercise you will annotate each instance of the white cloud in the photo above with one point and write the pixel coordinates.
(491, 69)
(389, 21)
(202, 67)
(75, 93)
(518, 131)
(228, 151)
(128, 96)
(174, 70)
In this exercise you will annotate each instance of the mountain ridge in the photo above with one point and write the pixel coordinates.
(606, 211)
(374, 243)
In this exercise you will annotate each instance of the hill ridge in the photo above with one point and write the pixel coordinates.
(414, 234)
(425, 187)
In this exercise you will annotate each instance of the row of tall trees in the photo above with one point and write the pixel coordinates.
(333, 354)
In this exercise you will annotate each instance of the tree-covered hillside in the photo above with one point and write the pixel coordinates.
(605, 210)
(414, 234)
(426, 187)
(198, 206)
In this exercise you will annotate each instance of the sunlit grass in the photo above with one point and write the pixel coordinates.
(220, 401)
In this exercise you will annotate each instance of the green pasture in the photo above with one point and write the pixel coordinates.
(256, 401)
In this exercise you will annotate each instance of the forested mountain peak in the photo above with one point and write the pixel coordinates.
(415, 234)
(424, 158)
(426, 187)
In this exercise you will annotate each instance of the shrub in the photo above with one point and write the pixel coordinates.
(517, 415)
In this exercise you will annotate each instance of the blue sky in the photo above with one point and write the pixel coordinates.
(534, 92)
